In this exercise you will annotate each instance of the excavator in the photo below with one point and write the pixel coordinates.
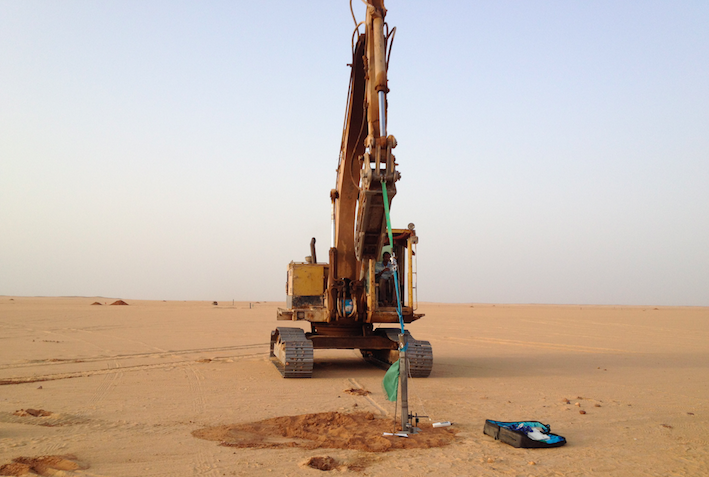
(343, 298)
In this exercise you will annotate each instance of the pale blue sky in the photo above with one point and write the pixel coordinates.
(551, 152)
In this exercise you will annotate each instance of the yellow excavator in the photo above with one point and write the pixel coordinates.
(355, 290)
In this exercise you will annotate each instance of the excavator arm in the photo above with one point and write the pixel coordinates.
(366, 160)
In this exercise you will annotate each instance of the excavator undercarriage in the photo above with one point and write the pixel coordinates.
(292, 350)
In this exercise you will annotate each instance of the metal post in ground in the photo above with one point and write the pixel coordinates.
(403, 384)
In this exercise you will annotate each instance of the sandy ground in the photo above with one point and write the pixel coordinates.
(128, 385)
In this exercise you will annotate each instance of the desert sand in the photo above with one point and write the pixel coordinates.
(132, 390)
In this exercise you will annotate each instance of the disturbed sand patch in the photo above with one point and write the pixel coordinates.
(357, 392)
(43, 418)
(32, 412)
(330, 430)
(357, 463)
(46, 465)
(321, 463)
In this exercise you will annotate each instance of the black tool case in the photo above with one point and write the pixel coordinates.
(504, 432)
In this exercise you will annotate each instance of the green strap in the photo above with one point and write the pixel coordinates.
(386, 213)
(391, 242)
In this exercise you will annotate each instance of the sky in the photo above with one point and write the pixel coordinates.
(550, 151)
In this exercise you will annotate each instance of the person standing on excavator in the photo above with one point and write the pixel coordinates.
(384, 274)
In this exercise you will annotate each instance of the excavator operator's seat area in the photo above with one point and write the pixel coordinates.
(385, 292)
(384, 284)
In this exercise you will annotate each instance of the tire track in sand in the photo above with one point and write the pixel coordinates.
(108, 382)
(535, 344)
(166, 354)
(369, 398)
(204, 463)
(81, 374)
(194, 382)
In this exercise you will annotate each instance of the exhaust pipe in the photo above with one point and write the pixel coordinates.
(312, 250)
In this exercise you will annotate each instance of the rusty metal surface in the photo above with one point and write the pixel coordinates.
(371, 223)
(304, 301)
(318, 315)
(390, 316)
(348, 171)
(284, 315)
(351, 342)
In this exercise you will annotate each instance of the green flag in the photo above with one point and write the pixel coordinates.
(391, 381)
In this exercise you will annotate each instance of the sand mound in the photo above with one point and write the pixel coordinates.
(14, 469)
(331, 430)
(45, 465)
(32, 412)
(119, 302)
(356, 463)
(322, 463)
(357, 392)
(97, 303)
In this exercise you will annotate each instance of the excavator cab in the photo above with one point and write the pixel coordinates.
(403, 252)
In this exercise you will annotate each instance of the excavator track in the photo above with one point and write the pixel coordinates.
(292, 352)
(420, 357)
(419, 354)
